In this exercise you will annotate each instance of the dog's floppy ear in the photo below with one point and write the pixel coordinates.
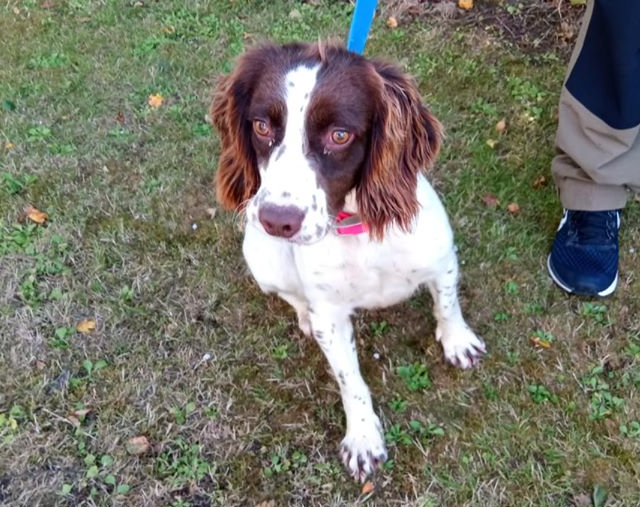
(237, 177)
(405, 139)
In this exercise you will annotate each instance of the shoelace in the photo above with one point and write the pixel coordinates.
(589, 227)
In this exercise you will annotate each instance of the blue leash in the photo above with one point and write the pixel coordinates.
(360, 25)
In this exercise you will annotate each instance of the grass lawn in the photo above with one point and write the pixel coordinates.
(230, 404)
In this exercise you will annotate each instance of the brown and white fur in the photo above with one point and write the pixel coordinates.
(308, 131)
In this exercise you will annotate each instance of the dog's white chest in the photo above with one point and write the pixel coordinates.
(347, 271)
(353, 271)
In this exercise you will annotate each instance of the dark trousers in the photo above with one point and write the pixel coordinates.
(598, 138)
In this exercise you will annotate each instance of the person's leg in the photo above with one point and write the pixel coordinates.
(598, 143)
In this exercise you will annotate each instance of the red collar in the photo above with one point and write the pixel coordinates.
(349, 224)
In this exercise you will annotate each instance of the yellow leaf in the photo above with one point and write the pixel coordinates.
(9, 146)
(86, 326)
(491, 143)
(465, 4)
(540, 181)
(155, 100)
(539, 342)
(35, 215)
(367, 488)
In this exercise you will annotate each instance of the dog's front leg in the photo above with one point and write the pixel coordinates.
(363, 446)
(461, 346)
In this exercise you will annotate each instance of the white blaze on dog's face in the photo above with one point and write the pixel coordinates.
(290, 202)
(302, 126)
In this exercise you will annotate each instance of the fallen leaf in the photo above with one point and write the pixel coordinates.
(539, 342)
(491, 143)
(491, 200)
(212, 212)
(540, 181)
(9, 146)
(35, 215)
(85, 326)
(16, 11)
(392, 22)
(513, 208)
(40, 365)
(500, 126)
(138, 445)
(120, 117)
(465, 4)
(367, 488)
(155, 100)
(169, 30)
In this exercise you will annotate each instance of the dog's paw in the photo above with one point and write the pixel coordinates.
(363, 449)
(462, 348)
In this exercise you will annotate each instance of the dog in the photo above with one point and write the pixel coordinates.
(324, 151)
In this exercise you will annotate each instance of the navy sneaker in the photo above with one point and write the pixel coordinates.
(584, 255)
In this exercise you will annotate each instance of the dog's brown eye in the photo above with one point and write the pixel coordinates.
(340, 137)
(261, 128)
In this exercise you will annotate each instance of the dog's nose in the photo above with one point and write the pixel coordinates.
(283, 221)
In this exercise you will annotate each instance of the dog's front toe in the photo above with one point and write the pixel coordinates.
(363, 452)
(462, 348)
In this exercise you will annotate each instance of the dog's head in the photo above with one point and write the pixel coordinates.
(302, 126)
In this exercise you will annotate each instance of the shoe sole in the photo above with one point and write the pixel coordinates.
(603, 293)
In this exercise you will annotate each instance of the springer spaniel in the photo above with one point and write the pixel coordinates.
(324, 150)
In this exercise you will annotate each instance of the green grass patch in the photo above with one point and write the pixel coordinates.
(237, 406)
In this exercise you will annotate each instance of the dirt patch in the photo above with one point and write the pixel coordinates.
(534, 26)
